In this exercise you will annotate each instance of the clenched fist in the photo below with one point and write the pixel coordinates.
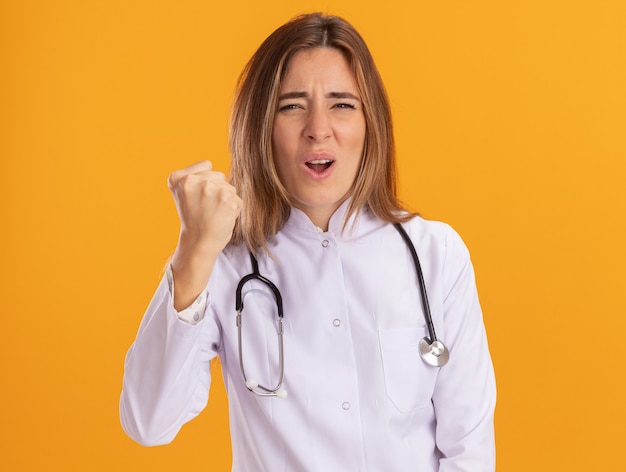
(208, 208)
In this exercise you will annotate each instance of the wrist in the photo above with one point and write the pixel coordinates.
(193, 246)
(191, 270)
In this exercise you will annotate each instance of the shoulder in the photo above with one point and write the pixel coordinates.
(442, 245)
(435, 232)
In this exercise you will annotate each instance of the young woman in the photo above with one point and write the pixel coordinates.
(296, 274)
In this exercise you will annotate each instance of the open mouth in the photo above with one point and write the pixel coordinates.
(319, 165)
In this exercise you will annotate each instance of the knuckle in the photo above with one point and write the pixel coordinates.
(223, 194)
(187, 184)
(205, 164)
(185, 181)
(173, 179)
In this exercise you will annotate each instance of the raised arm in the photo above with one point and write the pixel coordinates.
(167, 369)
(207, 208)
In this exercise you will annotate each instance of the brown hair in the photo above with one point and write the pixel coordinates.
(266, 203)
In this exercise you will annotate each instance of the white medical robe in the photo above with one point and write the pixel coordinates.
(360, 398)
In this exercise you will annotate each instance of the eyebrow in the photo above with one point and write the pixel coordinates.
(289, 95)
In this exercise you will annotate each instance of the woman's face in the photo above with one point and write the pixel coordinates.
(319, 132)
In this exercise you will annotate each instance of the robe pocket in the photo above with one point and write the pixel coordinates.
(409, 381)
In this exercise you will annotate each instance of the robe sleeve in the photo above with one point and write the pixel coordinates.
(465, 394)
(167, 371)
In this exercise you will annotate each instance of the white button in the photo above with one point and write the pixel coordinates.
(336, 323)
(345, 405)
(196, 316)
(325, 243)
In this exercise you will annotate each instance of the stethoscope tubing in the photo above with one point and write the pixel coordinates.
(420, 280)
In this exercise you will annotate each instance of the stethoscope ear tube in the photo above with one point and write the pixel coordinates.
(252, 384)
(256, 275)
(433, 351)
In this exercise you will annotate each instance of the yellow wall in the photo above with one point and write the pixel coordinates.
(511, 120)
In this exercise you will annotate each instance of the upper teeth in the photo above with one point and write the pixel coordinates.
(320, 161)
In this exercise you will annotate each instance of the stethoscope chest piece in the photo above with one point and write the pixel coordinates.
(434, 353)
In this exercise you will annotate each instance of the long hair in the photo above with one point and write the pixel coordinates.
(266, 203)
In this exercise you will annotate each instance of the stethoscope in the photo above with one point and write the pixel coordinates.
(433, 351)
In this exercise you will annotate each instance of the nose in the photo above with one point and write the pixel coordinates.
(318, 127)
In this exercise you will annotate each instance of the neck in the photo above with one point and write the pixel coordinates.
(319, 221)
(319, 216)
